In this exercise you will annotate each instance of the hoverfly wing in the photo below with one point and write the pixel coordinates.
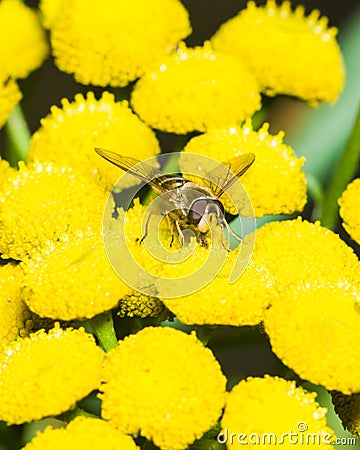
(225, 174)
(135, 167)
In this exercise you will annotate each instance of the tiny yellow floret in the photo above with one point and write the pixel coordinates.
(164, 385)
(350, 209)
(23, 42)
(196, 89)
(83, 433)
(117, 42)
(69, 134)
(288, 52)
(47, 373)
(271, 412)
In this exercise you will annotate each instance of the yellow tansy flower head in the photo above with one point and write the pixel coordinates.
(164, 385)
(271, 412)
(82, 433)
(300, 254)
(316, 332)
(69, 134)
(140, 305)
(222, 303)
(350, 209)
(275, 182)
(347, 407)
(196, 89)
(14, 314)
(117, 42)
(10, 96)
(23, 44)
(44, 204)
(75, 281)
(46, 373)
(288, 52)
(50, 10)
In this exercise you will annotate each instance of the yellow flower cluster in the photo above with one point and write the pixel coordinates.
(23, 44)
(316, 332)
(349, 209)
(117, 42)
(263, 412)
(10, 96)
(267, 39)
(43, 204)
(58, 285)
(171, 404)
(69, 134)
(14, 315)
(196, 89)
(219, 302)
(275, 182)
(46, 373)
(82, 434)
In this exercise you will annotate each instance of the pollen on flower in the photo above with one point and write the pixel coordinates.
(117, 43)
(221, 302)
(15, 315)
(263, 409)
(316, 333)
(205, 89)
(349, 209)
(300, 254)
(288, 52)
(23, 43)
(10, 96)
(46, 203)
(82, 433)
(75, 281)
(275, 183)
(46, 373)
(179, 402)
(69, 134)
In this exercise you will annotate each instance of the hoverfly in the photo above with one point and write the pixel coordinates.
(199, 212)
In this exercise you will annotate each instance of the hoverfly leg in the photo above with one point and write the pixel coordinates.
(203, 241)
(146, 228)
(230, 231)
(180, 234)
(226, 247)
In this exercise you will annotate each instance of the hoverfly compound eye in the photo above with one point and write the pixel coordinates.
(197, 210)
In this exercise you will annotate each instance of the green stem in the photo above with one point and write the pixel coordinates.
(18, 134)
(343, 174)
(103, 327)
(204, 333)
(70, 415)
